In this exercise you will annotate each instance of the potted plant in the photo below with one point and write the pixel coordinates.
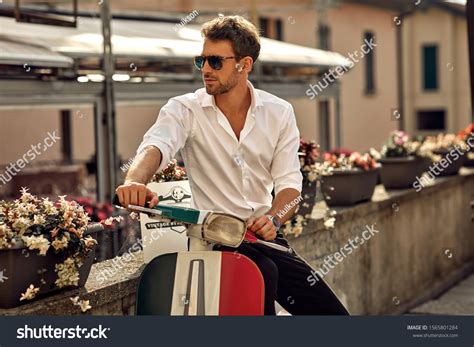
(347, 179)
(467, 135)
(308, 154)
(44, 246)
(450, 153)
(402, 160)
(172, 172)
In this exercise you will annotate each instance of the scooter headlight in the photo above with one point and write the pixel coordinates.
(224, 229)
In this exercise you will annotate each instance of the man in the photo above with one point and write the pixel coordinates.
(238, 144)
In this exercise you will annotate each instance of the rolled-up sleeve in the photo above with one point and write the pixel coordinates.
(285, 167)
(170, 131)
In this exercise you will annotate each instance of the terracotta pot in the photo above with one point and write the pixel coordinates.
(400, 173)
(22, 267)
(453, 167)
(348, 187)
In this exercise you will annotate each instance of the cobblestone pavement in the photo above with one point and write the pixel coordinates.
(458, 300)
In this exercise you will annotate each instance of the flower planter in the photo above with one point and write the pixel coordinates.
(453, 168)
(348, 187)
(308, 193)
(20, 267)
(400, 173)
(470, 158)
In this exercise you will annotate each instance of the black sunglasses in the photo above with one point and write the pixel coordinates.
(214, 61)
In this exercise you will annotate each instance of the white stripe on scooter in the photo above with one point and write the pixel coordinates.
(185, 267)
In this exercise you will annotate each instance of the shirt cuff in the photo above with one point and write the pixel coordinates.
(295, 184)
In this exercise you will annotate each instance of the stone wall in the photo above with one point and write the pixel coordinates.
(424, 243)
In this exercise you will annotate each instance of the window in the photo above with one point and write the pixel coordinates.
(271, 28)
(324, 37)
(264, 26)
(430, 67)
(369, 63)
(278, 30)
(431, 120)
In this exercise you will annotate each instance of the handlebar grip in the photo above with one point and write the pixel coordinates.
(116, 202)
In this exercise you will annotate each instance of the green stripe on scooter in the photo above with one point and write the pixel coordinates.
(181, 214)
(155, 289)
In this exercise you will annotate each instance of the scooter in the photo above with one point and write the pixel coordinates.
(202, 281)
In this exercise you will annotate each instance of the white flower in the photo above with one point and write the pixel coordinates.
(37, 242)
(30, 293)
(25, 196)
(60, 243)
(84, 304)
(39, 219)
(49, 207)
(21, 224)
(297, 230)
(375, 154)
(299, 218)
(89, 242)
(329, 223)
(312, 176)
(68, 274)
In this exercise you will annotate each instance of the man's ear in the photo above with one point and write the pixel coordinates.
(248, 63)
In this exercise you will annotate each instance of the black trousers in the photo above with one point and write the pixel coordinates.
(286, 281)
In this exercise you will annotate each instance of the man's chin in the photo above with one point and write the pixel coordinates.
(216, 90)
(211, 91)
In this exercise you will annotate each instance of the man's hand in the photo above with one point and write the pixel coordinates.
(132, 193)
(263, 227)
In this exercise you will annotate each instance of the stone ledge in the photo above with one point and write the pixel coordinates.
(382, 199)
(115, 296)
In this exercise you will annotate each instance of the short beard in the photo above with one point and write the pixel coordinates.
(224, 88)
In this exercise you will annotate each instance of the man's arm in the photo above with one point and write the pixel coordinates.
(159, 145)
(284, 199)
(263, 226)
(134, 191)
(287, 179)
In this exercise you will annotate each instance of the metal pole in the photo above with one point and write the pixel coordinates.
(470, 35)
(108, 105)
(400, 81)
(338, 115)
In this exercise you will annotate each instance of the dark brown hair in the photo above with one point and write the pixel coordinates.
(241, 33)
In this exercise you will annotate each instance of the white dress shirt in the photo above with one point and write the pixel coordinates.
(226, 174)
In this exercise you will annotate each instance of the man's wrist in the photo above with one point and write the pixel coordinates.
(274, 219)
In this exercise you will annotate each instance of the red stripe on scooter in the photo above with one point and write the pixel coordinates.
(242, 287)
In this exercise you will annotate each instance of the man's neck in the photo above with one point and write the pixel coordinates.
(235, 102)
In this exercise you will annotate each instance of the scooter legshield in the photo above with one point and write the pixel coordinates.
(201, 283)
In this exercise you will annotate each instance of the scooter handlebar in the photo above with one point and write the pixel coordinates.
(117, 203)
(116, 200)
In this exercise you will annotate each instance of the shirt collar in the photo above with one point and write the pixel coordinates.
(207, 100)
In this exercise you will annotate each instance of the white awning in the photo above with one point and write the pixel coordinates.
(17, 53)
(134, 39)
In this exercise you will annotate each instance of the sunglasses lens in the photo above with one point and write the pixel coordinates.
(199, 62)
(215, 62)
